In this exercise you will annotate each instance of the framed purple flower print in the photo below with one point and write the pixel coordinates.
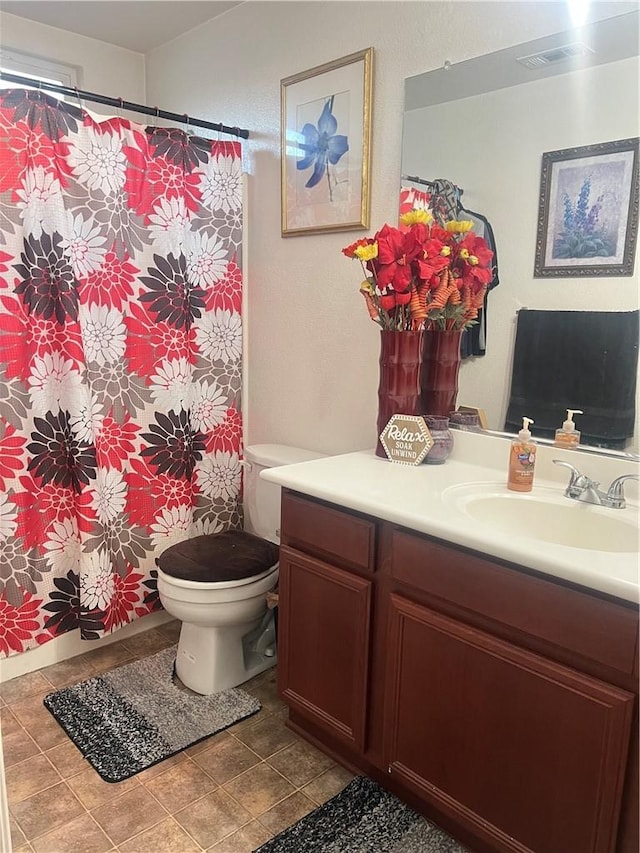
(326, 146)
(588, 212)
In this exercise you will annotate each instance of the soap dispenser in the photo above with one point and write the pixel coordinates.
(522, 460)
(568, 436)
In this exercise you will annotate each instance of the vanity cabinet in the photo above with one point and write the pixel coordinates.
(498, 701)
(325, 619)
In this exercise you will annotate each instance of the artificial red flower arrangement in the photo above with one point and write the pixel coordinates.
(424, 277)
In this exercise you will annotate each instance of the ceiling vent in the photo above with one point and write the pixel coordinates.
(557, 54)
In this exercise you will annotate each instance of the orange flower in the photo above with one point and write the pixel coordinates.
(350, 251)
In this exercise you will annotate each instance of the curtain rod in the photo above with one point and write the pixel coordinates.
(71, 91)
(417, 180)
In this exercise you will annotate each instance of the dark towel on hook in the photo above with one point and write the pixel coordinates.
(579, 360)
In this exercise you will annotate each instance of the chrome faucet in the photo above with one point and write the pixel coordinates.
(616, 491)
(582, 488)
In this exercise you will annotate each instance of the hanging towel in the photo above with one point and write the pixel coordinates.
(579, 360)
(474, 340)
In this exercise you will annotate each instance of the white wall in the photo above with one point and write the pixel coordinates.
(500, 176)
(102, 67)
(312, 373)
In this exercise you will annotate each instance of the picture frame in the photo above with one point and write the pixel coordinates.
(326, 146)
(588, 211)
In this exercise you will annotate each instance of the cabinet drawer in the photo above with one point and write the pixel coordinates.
(346, 540)
(594, 628)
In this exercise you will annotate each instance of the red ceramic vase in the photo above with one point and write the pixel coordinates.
(439, 375)
(399, 385)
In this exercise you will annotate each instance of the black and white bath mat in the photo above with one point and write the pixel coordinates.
(363, 818)
(134, 716)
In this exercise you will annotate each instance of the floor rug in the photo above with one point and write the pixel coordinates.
(125, 720)
(363, 818)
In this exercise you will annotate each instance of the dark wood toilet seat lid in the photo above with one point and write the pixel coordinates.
(217, 557)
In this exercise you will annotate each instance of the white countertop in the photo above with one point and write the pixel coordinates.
(418, 497)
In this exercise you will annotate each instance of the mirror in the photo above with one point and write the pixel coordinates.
(484, 125)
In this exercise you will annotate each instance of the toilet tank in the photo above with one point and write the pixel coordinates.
(262, 499)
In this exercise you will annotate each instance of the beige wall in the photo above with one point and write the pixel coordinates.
(312, 351)
(102, 67)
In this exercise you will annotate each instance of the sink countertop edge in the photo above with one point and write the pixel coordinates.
(412, 497)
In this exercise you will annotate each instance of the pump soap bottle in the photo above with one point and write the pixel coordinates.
(568, 436)
(522, 460)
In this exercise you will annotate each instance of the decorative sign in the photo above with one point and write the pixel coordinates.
(406, 439)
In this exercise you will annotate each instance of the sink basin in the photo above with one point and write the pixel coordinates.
(548, 516)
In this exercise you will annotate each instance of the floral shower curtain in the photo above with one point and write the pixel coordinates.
(120, 361)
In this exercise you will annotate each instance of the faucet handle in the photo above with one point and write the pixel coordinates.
(578, 482)
(575, 474)
(616, 490)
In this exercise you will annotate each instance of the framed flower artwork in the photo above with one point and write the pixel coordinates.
(326, 146)
(588, 211)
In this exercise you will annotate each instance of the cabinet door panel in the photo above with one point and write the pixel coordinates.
(323, 644)
(480, 727)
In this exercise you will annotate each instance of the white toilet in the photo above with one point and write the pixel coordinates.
(217, 585)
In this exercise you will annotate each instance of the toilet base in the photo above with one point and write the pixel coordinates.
(210, 659)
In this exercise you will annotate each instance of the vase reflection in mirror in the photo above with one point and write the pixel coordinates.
(442, 439)
(465, 421)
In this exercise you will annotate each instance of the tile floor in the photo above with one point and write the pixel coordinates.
(228, 793)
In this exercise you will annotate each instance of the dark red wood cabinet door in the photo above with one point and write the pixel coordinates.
(323, 644)
(479, 727)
